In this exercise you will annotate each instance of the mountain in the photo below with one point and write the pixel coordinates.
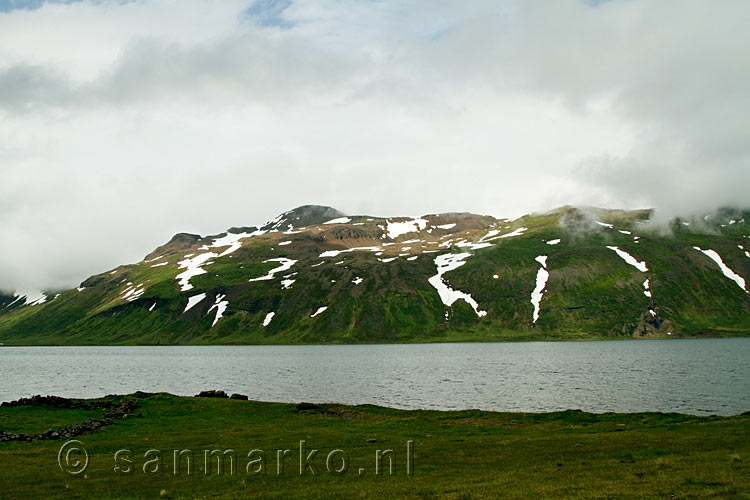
(315, 275)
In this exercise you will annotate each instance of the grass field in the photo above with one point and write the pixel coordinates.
(436, 455)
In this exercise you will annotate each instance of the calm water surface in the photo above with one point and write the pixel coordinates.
(701, 376)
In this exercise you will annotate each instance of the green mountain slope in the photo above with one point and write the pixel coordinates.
(314, 275)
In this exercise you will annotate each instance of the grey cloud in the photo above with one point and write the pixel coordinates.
(371, 107)
(677, 70)
(244, 68)
(24, 88)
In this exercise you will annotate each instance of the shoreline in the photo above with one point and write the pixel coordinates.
(435, 454)
(407, 342)
(139, 393)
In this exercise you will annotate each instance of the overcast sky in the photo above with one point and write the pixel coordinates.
(124, 122)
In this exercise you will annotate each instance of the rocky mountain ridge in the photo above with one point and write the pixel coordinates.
(314, 275)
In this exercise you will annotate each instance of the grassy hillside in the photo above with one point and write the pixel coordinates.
(373, 277)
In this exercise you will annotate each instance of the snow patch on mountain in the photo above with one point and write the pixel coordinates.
(396, 229)
(268, 318)
(490, 234)
(220, 305)
(133, 292)
(542, 276)
(193, 267)
(232, 241)
(33, 298)
(331, 253)
(320, 310)
(516, 232)
(336, 253)
(340, 220)
(640, 265)
(276, 222)
(711, 254)
(192, 301)
(17, 298)
(285, 265)
(449, 262)
(473, 246)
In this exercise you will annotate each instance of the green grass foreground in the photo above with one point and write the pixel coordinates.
(456, 455)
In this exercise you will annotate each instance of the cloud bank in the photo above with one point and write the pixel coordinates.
(123, 122)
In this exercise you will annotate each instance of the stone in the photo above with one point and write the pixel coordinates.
(212, 394)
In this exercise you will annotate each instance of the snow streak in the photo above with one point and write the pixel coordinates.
(449, 262)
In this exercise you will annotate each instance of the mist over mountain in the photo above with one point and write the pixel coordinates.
(316, 275)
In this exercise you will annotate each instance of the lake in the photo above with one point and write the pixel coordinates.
(697, 376)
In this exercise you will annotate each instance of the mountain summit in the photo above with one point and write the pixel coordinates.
(306, 215)
(314, 274)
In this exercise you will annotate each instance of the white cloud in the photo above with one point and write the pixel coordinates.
(122, 123)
